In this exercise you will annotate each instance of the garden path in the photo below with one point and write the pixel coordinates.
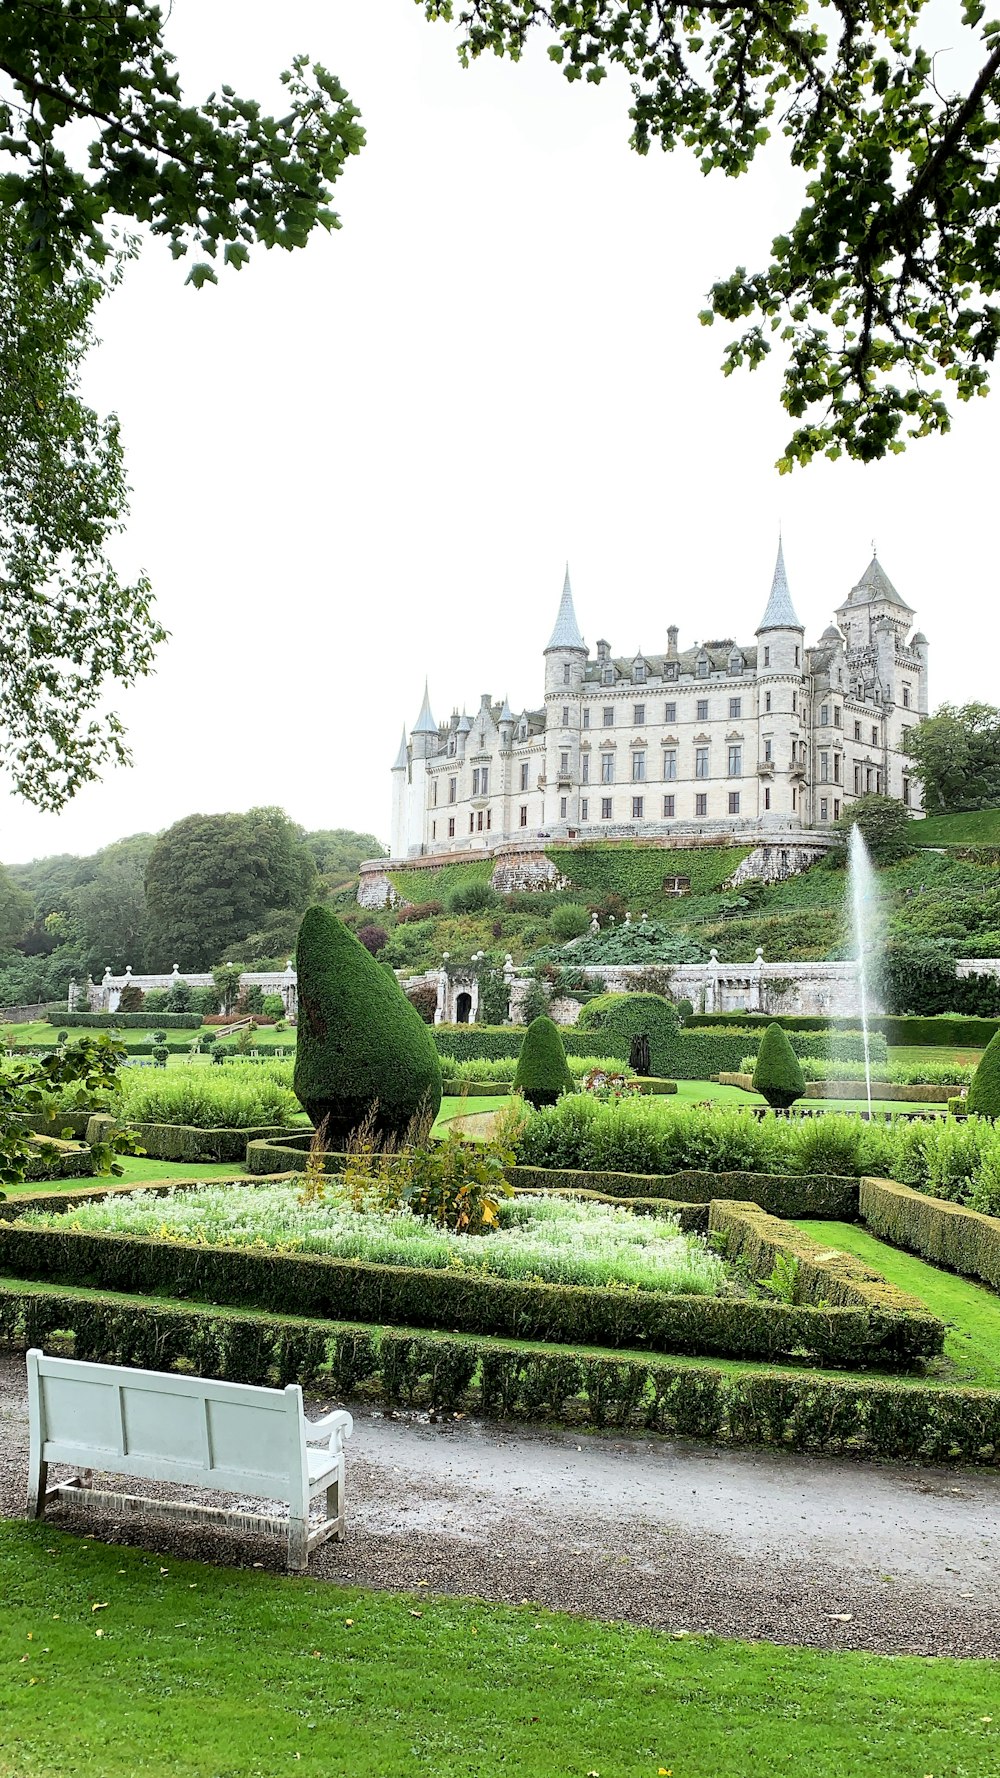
(682, 1537)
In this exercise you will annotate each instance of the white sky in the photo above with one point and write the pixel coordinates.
(368, 460)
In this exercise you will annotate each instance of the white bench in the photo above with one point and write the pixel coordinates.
(168, 1428)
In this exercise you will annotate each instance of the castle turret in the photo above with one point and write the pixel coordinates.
(782, 704)
(565, 665)
(424, 743)
(566, 654)
(400, 785)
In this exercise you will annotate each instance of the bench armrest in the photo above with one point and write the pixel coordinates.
(333, 1429)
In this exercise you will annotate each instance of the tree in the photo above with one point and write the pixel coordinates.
(71, 627)
(362, 1050)
(542, 1072)
(984, 1090)
(212, 879)
(885, 286)
(15, 912)
(956, 758)
(778, 1073)
(109, 912)
(885, 827)
(339, 851)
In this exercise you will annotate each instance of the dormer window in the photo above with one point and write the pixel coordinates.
(703, 666)
(671, 670)
(736, 663)
(608, 675)
(639, 672)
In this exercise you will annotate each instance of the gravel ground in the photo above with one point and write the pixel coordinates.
(681, 1537)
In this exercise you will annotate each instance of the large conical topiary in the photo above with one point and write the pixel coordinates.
(984, 1090)
(777, 1074)
(542, 1070)
(360, 1043)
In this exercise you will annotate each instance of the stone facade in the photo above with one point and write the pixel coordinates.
(105, 995)
(723, 739)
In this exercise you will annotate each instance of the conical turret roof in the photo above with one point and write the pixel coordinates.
(567, 631)
(875, 584)
(401, 760)
(425, 724)
(780, 613)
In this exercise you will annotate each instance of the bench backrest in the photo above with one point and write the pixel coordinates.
(232, 1436)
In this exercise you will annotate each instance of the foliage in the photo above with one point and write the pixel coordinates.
(373, 937)
(499, 1070)
(570, 920)
(542, 1074)
(609, 1083)
(426, 884)
(777, 1074)
(211, 879)
(961, 1239)
(26, 1090)
(494, 996)
(885, 825)
(637, 873)
(975, 829)
(339, 851)
(644, 941)
(918, 976)
(15, 911)
(71, 627)
(626, 1018)
(955, 757)
(903, 1074)
(885, 284)
(131, 998)
(424, 998)
(534, 1003)
(360, 1042)
(757, 1242)
(984, 1092)
(202, 1098)
(472, 898)
(147, 1020)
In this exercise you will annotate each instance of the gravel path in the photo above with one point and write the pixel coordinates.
(681, 1537)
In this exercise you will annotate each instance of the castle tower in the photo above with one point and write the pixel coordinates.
(781, 707)
(399, 840)
(424, 743)
(565, 664)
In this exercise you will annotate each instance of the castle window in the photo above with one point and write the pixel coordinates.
(701, 710)
(669, 806)
(701, 762)
(605, 808)
(637, 808)
(836, 716)
(434, 830)
(524, 814)
(734, 802)
(586, 716)
(701, 804)
(670, 763)
(793, 802)
(434, 796)
(906, 792)
(480, 780)
(566, 672)
(452, 790)
(564, 765)
(525, 768)
(824, 715)
(482, 740)
(451, 827)
(857, 731)
(638, 715)
(836, 768)
(704, 666)
(735, 709)
(767, 700)
(609, 716)
(607, 768)
(824, 768)
(736, 663)
(857, 780)
(585, 768)
(608, 675)
(565, 720)
(868, 779)
(562, 808)
(767, 656)
(767, 752)
(824, 809)
(639, 672)
(796, 657)
(670, 714)
(906, 697)
(878, 783)
(836, 808)
(795, 703)
(451, 745)
(874, 735)
(767, 797)
(584, 808)
(735, 762)
(638, 767)
(472, 823)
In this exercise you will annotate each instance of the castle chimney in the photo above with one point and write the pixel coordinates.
(672, 642)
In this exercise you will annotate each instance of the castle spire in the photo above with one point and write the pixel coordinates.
(401, 760)
(567, 631)
(780, 613)
(425, 724)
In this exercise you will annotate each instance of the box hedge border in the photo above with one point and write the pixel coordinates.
(947, 1031)
(186, 1143)
(692, 1055)
(793, 1410)
(823, 1274)
(950, 1235)
(129, 1021)
(463, 1302)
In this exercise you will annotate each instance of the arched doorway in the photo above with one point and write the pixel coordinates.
(463, 1008)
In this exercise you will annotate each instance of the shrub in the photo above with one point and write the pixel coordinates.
(777, 1073)
(424, 910)
(948, 1235)
(542, 1072)
(424, 998)
(822, 1275)
(472, 898)
(131, 998)
(628, 1017)
(156, 1000)
(984, 1092)
(252, 998)
(569, 921)
(360, 1042)
(374, 938)
(534, 1004)
(272, 1006)
(179, 997)
(146, 1020)
(204, 1000)
(160, 1054)
(242, 1098)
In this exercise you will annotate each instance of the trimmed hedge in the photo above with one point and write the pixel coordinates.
(70, 1160)
(983, 1097)
(855, 1089)
(470, 1043)
(183, 1142)
(777, 1074)
(844, 1416)
(824, 1275)
(949, 1031)
(542, 1073)
(947, 1234)
(692, 1055)
(130, 1021)
(633, 1016)
(463, 1302)
(792, 1195)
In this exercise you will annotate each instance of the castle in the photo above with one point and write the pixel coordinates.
(767, 739)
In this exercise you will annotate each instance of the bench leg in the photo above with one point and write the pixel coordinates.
(35, 1508)
(335, 1510)
(298, 1545)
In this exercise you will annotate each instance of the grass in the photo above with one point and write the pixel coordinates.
(970, 827)
(199, 1672)
(916, 1055)
(972, 1343)
(135, 1170)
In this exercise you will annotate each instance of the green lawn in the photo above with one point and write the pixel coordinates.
(920, 1053)
(119, 1663)
(972, 1344)
(972, 827)
(137, 1170)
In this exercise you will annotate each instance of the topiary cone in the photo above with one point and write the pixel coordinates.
(777, 1073)
(542, 1069)
(983, 1098)
(360, 1043)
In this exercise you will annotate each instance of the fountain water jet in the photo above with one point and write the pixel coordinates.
(862, 895)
